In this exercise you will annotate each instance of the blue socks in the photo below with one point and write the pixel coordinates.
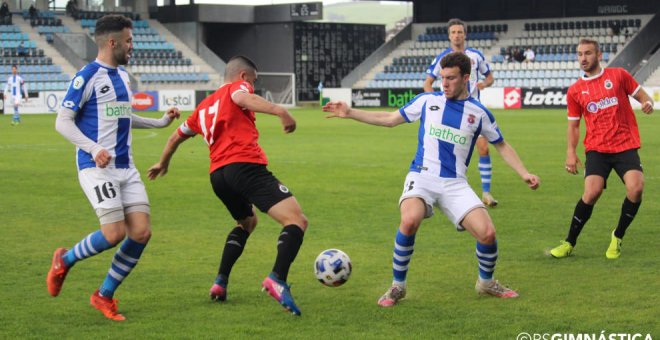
(486, 172)
(403, 249)
(487, 256)
(91, 245)
(125, 259)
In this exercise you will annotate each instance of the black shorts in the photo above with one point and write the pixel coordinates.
(601, 164)
(240, 185)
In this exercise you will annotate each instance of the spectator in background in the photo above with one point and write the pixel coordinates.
(22, 50)
(33, 12)
(518, 55)
(4, 10)
(529, 55)
(72, 7)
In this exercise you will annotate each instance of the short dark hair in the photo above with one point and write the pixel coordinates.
(587, 41)
(14, 65)
(456, 21)
(237, 64)
(112, 23)
(457, 59)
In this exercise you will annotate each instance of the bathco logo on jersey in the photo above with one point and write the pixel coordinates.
(117, 110)
(448, 134)
(604, 103)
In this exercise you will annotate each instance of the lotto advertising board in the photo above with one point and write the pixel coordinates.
(543, 98)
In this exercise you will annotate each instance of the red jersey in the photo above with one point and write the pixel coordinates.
(603, 101)
(227, 128)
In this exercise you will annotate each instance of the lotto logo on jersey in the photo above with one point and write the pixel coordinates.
(604, 103)
(117, 110)
(448, 134)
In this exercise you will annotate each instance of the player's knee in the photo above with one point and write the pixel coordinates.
(409, 224)
(142, 236)
(635, 193)
(302, 222)
(249, 223)
(590, 197)
(487, 237)
(114, 236)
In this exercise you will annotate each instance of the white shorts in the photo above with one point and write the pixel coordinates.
(114, 190)
(453, 196)
(16, 100)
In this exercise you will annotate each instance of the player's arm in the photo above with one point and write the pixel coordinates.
(25, 91)
(573, 132)
(487, 82)
(643, 98)
(140, 122)
(428, 84)
(572, 137)
(511, 157)
(160, 168)
(382, 118)
(66, 126)
(256, 103)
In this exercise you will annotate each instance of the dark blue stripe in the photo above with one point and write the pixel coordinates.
(400, 263)
(452, 116)
(88, 123)
(447, 159)
(453, 113)
(418, 162)
(13, 87)
(403, 252)
(124, 124)
(474, 141)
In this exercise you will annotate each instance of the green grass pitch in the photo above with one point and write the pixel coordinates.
(348, 178)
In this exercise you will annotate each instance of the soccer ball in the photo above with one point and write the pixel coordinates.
(333, 267)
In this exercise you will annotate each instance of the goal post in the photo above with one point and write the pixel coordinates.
(277, 87)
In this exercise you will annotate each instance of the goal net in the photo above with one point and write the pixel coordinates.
(279, 88)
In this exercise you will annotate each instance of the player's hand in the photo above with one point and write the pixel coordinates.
(647, 107)
(532, 181)
(173, 113)
(288, 122)
(337, 109)
(102, 158)
(572, 162)
(156, 170)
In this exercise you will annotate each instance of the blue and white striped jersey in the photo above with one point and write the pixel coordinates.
(448, 130)
(15, 86)
(479, 66)
(101, 97)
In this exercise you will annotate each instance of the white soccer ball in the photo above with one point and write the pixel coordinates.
(333, 267)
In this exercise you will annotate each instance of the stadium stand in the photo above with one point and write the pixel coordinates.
(155, 60)
(36, 68)
(553, 41)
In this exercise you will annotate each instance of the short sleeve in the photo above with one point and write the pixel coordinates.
(489, 128)
(78, 92)
(484, 67)
(413, 110)
(628, 83)
(191, 126)
(574, 108)
(241, 86)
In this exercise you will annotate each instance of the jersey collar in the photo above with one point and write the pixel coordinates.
(602, 70)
